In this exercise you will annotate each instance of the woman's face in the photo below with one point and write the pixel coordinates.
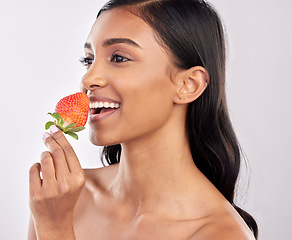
(126, 65)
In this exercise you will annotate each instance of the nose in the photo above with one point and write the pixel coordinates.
(92, 79)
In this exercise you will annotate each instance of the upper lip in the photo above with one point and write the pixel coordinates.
(101, 99)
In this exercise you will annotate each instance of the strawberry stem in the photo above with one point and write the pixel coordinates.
(59, 122)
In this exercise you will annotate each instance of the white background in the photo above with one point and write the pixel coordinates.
(40, 44)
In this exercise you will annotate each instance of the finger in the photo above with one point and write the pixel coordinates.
(47, 168)
(72, 160)
(35, 182)
(58, 156)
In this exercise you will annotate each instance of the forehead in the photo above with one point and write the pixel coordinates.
(121, 23)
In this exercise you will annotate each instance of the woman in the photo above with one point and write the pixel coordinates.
(172, 153)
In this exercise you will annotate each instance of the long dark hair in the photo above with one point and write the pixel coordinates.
(192, 31)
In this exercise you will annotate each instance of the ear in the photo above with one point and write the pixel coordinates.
(191, 84)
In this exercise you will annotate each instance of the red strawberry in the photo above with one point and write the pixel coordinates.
(71, 114)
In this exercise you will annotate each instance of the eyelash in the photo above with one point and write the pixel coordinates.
(116, 58)
(86, 61)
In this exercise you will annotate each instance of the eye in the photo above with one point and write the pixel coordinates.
(118, 58)
(86, 62)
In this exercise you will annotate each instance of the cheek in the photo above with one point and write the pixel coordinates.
(142, 113)
(148, 105)
(146, 80)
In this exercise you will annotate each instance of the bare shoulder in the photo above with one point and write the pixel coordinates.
(97, 181)
(224, 226)
(101, 176)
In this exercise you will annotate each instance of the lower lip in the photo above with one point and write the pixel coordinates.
(100, 116)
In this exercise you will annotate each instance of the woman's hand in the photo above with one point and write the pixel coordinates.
(53, 198)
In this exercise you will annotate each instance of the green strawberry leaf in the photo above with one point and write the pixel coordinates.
(61, 128)
(61, 121)
(57, 116)
(48, 124)
(73, 135)
(54, 115)
(72, 125)
(76, 129)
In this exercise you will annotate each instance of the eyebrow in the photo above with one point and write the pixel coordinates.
(113, 41)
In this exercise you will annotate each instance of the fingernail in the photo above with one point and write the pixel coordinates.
(45, 136)
(54, 129)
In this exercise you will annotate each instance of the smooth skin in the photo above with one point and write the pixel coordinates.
(156, 191)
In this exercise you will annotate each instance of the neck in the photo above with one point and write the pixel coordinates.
(151, 169)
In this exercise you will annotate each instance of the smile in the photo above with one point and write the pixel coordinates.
(103, 105)
(100, 109)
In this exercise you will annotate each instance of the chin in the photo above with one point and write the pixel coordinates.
(101, 141)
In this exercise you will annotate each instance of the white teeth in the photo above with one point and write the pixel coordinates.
(104, 104)
(94, 105)
(100, 104)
